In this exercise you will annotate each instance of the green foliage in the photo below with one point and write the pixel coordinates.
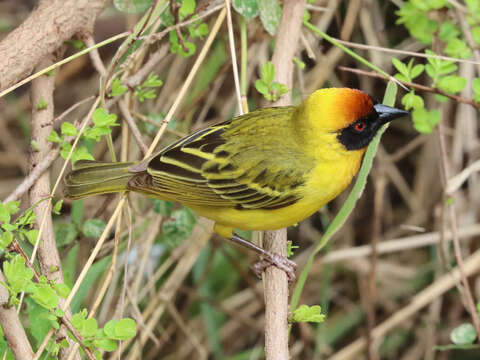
(418, 17)
(93, 228)
(65, 233)
(42, 104)
(270, 89)
(417, 22)
(21, 228)
(290, 248)
(270, 15)
(458, 48)
(179, 227)
(114, 330)
(463, 335)
(407, 72)
(162, 207)
(247, 8)
(178, 40)
(305, 313)
(476, 89)
(102, 123)
(425, 121)
(147, 89)
(117, 88)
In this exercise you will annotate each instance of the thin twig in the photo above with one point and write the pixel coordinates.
(231, 39)
(37, 171)
(133, 127)
(415, 86)
(403, 52)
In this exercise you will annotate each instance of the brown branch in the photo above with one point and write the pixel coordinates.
(42, 33)
(28, 182)
(415, 86)
(276, 281)
(133, 127)
(12, 327)
(48, 257)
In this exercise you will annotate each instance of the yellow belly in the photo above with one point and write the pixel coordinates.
(325, 183)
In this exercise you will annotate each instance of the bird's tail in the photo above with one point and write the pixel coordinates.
(94, 177)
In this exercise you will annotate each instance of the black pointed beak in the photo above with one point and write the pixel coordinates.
(387, 113)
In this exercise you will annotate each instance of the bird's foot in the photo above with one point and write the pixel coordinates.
(281, 262)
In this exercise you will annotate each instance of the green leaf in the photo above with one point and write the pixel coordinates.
(65, 233)
(65, 148)
(270, 15)
(123, 329)
(162, 207)
(458, 48)
(179, 227)
(187, 8)
(68, 129)
(106, 344)
(42, 104)
(476, 89)
(6, 239)
(76, 212)
(117, 88)
(247, 8)
(101, 117)
(53, 137)
(57, 207)
(4, 214)
(45, 296)
(463, 335)
(401, 68)
(27, 218)
(416, 71)
(17, 274)
(93, 228)
(412, 101)
(267, 72)
(307, 313)
(448, 31)
(424, 121)
(476, 34)
(152, 81)
(132, 6)
(62, 290)
(452, 83)
(81, 153)
(78, 318)
(12, 207)
(261, 87)
(32, 236)
(400, 77)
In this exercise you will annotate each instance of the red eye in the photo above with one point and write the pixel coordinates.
(359, 127)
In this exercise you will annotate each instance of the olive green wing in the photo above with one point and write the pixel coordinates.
(237, 163)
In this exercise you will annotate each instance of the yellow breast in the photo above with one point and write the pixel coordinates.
(326, 181)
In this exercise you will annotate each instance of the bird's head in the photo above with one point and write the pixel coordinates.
(348, 117)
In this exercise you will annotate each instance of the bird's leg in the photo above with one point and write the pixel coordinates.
(269, 258)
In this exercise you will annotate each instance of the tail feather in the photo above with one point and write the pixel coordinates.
(94, 177)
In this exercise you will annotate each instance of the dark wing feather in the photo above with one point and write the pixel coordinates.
(219, 165)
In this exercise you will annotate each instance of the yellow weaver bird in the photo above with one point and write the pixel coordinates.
(264, 170)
